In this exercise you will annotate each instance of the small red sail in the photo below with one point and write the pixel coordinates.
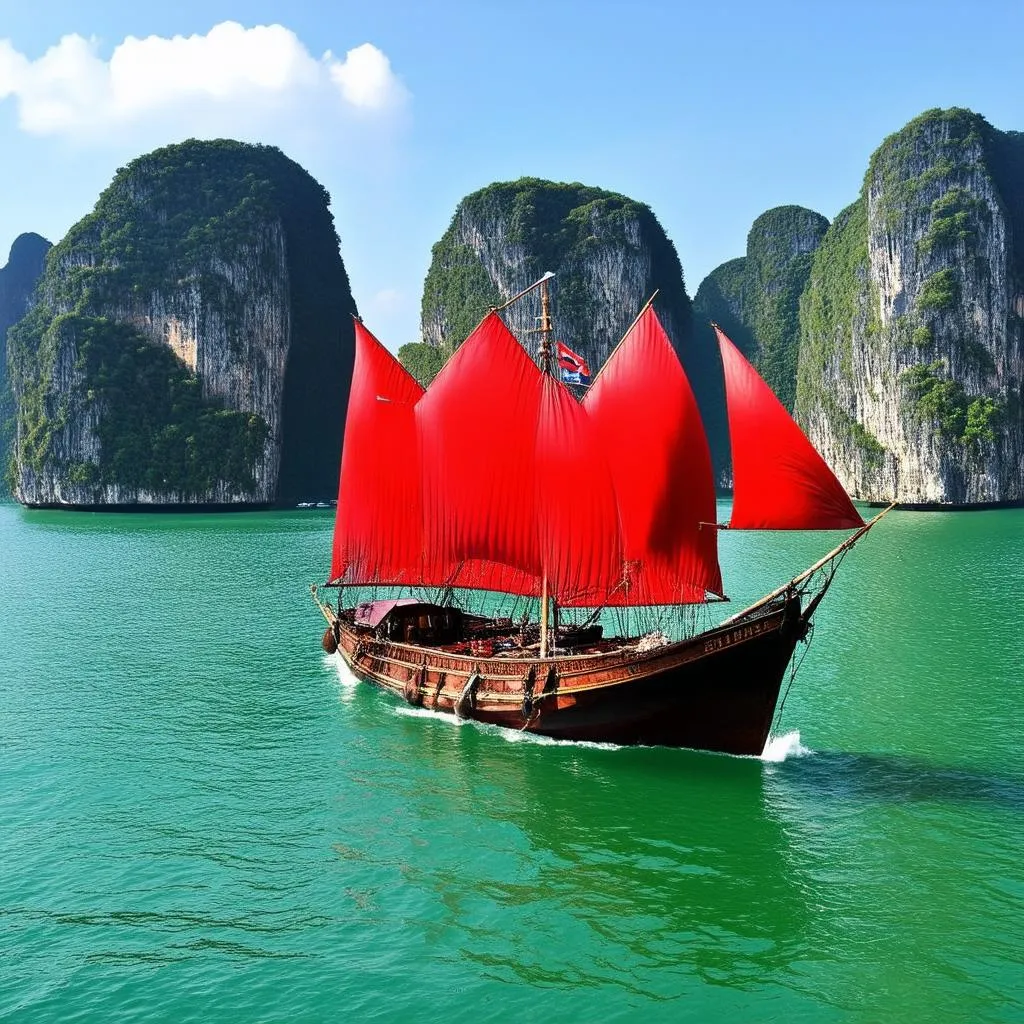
(779, 481)
(649, 427)
(378, 530)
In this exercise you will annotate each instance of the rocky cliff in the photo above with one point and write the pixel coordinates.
(17, 283)
(609, 254)
(912, 325)
(756, 298)
(192, 340)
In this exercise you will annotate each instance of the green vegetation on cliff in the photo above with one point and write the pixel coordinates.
(780, 251)
(933, 147)
(831, 303)
(937, 399)
(872, 451)
(423, 361)
(157, 431)
(458, 285)
(722, 299)
(939, 292)
(952, 223)
(17, 283)
(31, 361)
(171, 216)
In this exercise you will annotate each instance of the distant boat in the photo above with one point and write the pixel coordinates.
(497, 478)
(304, 504)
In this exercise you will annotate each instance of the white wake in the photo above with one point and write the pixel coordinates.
(779, 748)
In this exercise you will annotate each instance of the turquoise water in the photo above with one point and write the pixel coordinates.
(202, 819)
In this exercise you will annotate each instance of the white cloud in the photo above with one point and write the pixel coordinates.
(212, 82)
(366, 80)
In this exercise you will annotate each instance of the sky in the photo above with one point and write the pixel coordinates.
(710, 113)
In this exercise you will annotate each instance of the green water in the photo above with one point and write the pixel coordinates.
(201, 819)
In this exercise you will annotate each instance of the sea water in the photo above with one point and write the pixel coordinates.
(202, 818)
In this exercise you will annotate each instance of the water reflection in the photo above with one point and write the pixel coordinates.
(565, 865)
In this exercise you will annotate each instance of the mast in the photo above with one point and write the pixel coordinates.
(544, 614)
(545, 323)
(545, 366)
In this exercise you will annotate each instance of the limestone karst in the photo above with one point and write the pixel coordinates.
(190, 342)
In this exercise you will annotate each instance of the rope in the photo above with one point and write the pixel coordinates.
(829, 569)
(794, 668)
(534, 714)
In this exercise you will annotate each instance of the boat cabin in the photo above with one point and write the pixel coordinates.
(410, 621)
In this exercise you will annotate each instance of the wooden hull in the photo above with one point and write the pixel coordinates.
(716, 691)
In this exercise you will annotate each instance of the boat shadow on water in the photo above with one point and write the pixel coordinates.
(896, 778)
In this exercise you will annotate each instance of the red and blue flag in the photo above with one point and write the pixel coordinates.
(573, 366)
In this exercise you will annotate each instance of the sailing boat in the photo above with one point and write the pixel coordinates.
(496, 479)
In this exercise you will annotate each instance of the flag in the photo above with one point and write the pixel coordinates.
(574, 367)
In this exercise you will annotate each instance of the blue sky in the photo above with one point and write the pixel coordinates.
(709, 113)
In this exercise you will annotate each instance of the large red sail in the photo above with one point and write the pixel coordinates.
(779, 481)
(477, 423)
(515, 486)
(649, 427)
(577, 511)
(496, 477)
(378, 530)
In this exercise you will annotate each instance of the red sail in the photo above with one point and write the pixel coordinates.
(779, 481)
(577, 511)
(649, 427)
(477, 424)
(515, 486)
(378, 530)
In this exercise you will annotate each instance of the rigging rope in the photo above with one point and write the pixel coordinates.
(829, 570)
(794, 668)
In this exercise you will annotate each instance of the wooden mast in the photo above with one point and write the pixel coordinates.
(545, 329)
(545, 366)
(545, 323)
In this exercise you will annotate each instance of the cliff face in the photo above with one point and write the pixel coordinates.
(609, 254)
(756, 298)
(912, 325)
(780, 248)
(723, 297)
(17, 282)
(192, 341)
